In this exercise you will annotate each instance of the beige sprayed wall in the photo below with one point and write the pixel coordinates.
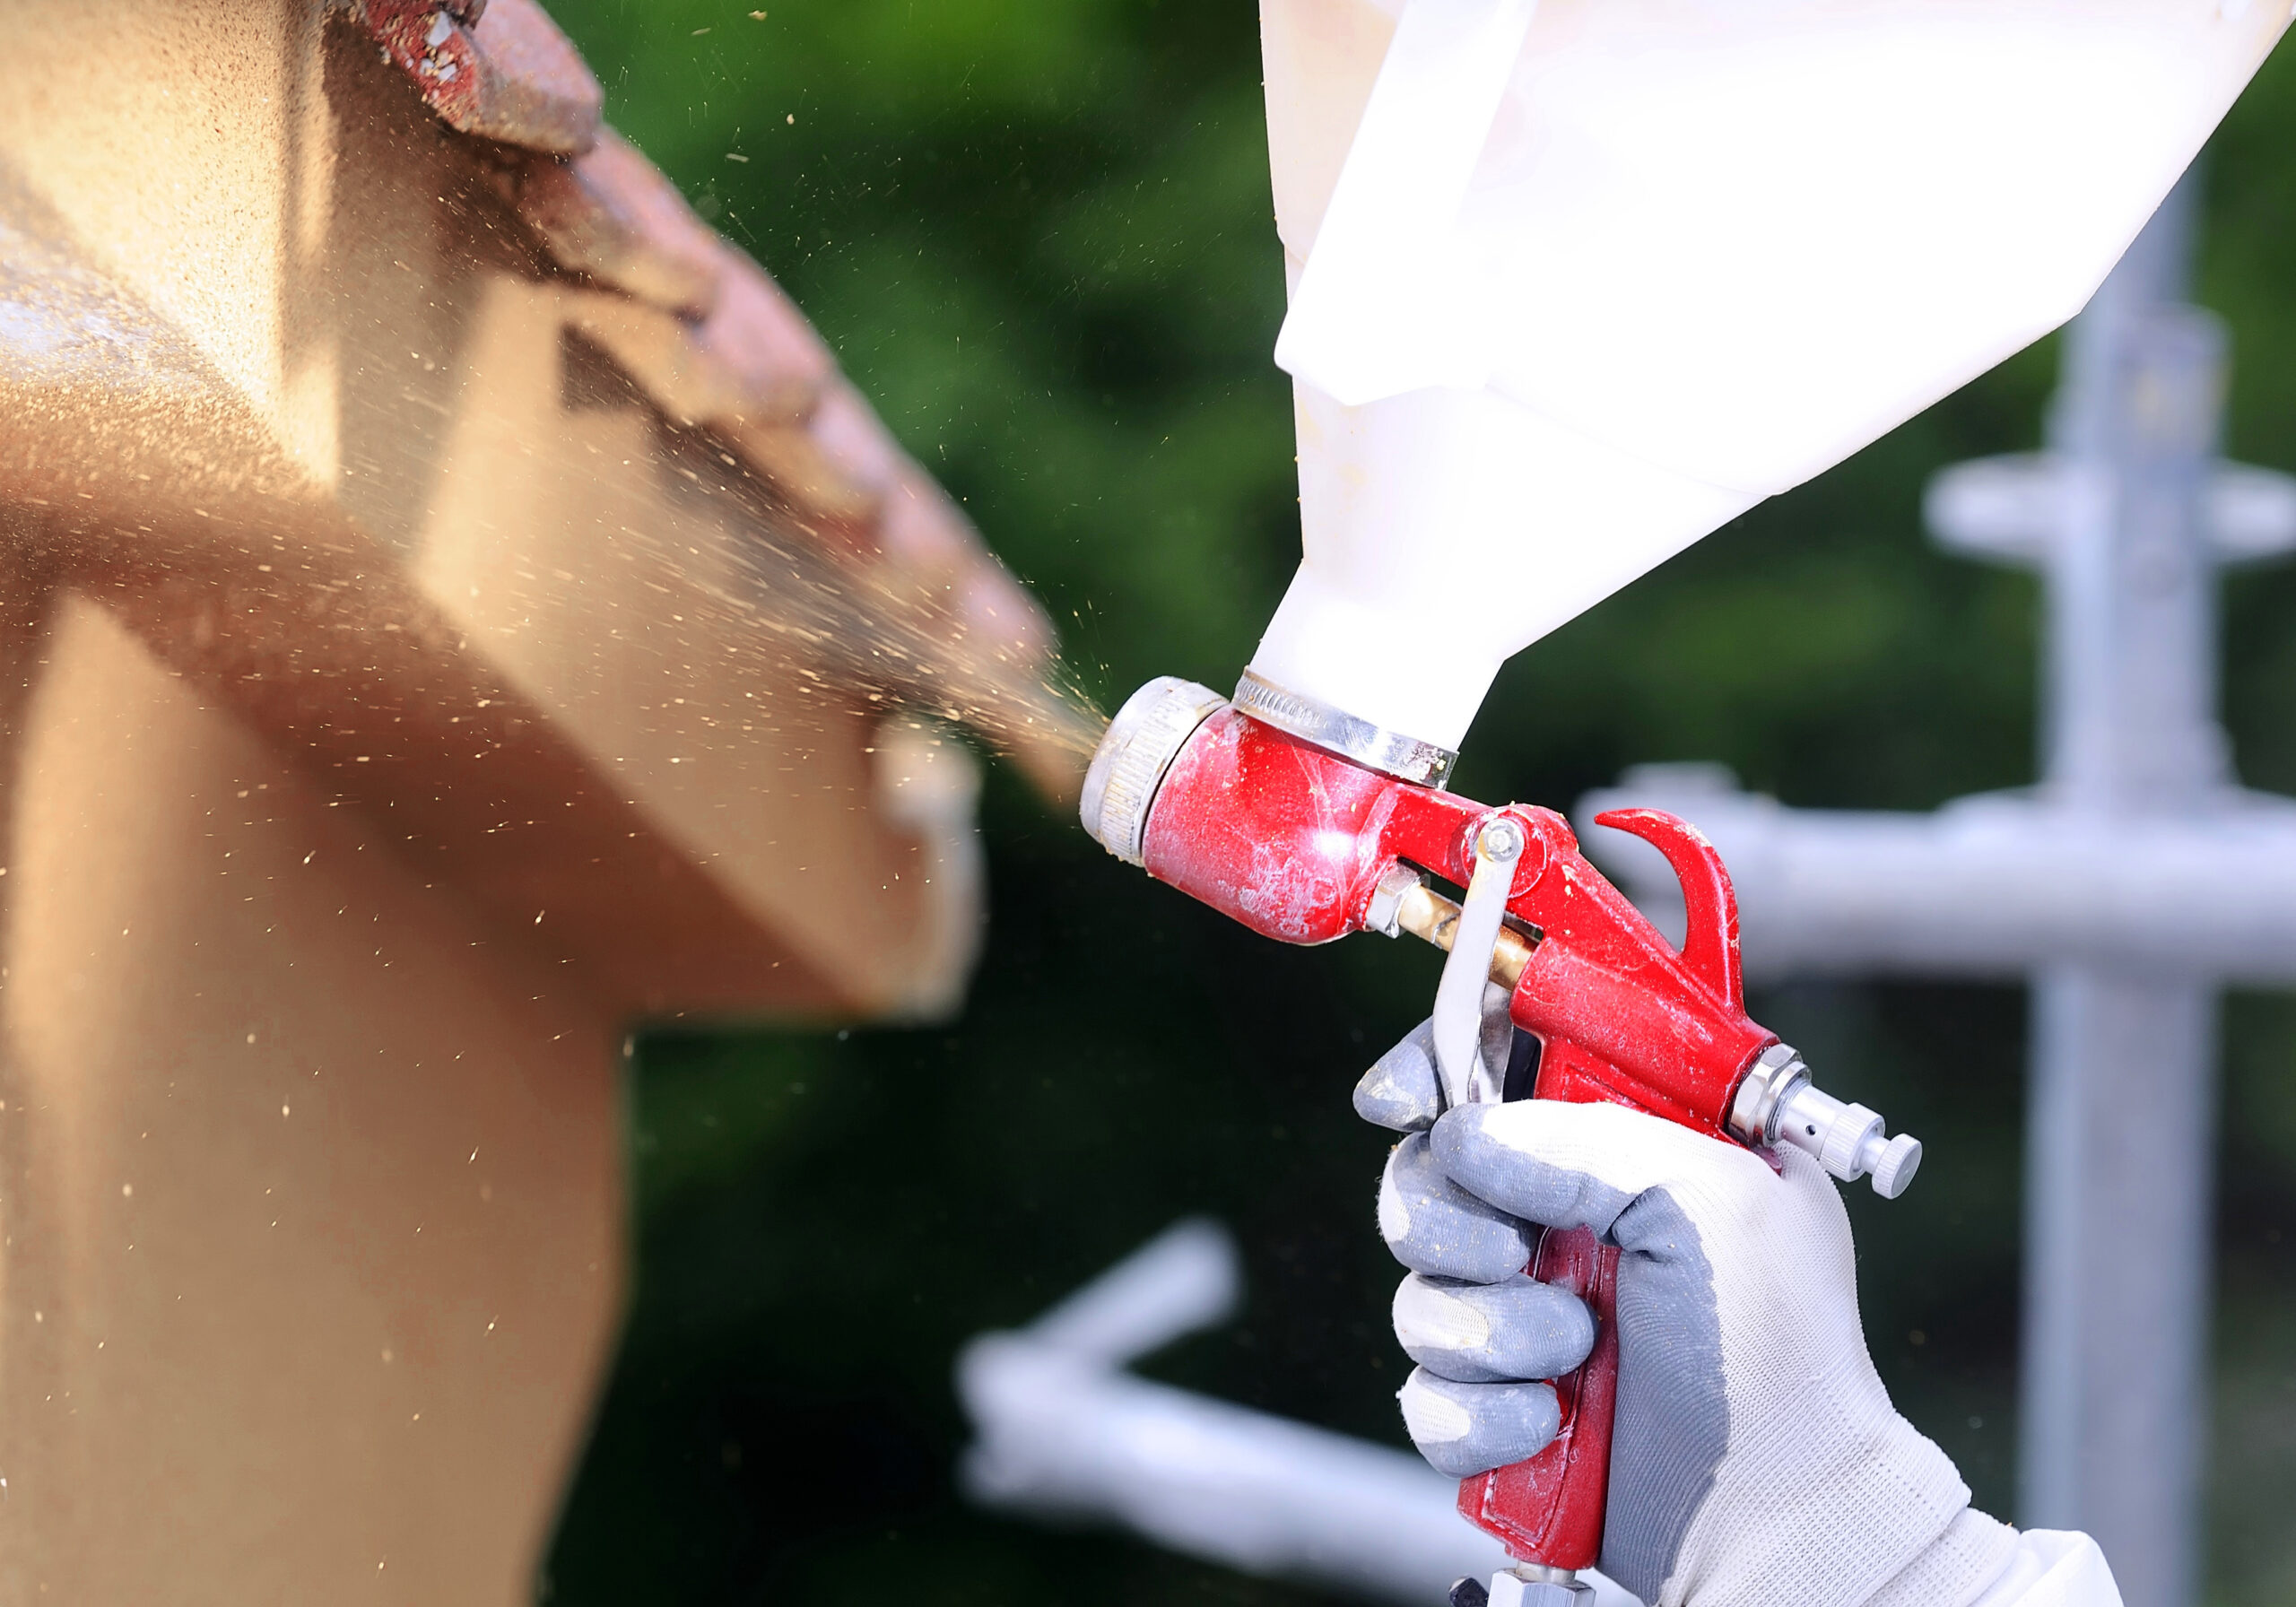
(424, 657)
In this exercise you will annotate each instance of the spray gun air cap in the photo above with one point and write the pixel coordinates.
(1146, 735)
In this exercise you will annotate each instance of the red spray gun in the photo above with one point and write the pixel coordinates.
(1307, 824)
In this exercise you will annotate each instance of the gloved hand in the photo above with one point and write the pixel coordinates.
(1756, 1456)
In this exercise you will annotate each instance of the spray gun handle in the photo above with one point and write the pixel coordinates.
(1548, 1511)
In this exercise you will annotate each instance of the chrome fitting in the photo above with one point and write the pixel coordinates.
(1146, 735)
(1374, 747)
(1771, 1079)
(1529, 1585)
(1848, 1140)
(1777, 1103)
(1384, 914)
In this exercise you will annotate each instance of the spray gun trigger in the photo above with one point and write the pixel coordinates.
(1467, 1079)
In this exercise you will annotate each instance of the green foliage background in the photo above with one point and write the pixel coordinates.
(1038, 232)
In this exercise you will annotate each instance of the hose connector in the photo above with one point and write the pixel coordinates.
(1777, 1103)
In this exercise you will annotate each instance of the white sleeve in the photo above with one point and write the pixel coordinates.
(1980, 1562)
(2053, 1568)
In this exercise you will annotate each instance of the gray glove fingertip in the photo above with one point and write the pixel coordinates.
(1487, 1166)
(1431, 1225)
(1402, 1090)
(1493, 1333)
(1468, 1429)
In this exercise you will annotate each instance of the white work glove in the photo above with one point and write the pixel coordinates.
(1756, 1458)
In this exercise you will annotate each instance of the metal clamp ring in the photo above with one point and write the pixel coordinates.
(1374, 747)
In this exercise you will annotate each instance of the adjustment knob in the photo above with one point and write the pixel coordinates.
(1901, 1158)
(1847, 1138)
